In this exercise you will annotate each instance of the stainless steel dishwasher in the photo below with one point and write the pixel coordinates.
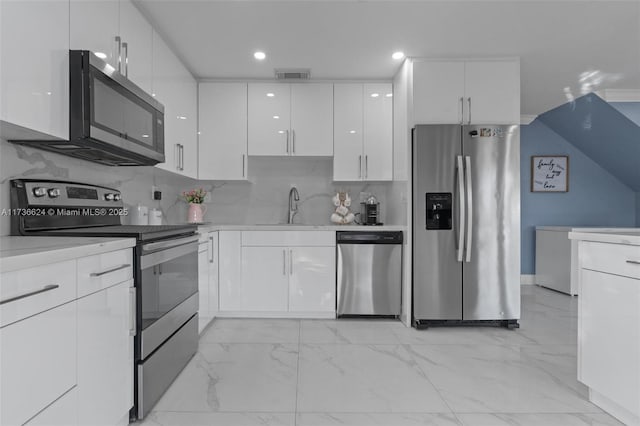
(369, 268)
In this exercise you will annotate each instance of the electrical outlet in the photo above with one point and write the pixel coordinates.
(154, 189)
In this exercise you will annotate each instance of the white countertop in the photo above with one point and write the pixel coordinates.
(222, 227)
(629, 237)
(25, 252)
(586, 229)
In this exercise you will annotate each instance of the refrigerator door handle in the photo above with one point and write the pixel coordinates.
(461, 209)
(461, 111)
(469, 208)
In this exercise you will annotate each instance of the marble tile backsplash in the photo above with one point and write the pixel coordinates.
(263, 199)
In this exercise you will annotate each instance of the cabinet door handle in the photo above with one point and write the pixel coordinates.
(469, 115)
(284, 262)
(461, 111)
(119, 42)
(290, 262)
(634, 262)
(293, 141)
(108, 271)
(125, 47)
(359, 166)
(31, 293)
(181, 157)
(287, 148)
(211, 239)
(132, 311)
(366, 166)
(242, 165)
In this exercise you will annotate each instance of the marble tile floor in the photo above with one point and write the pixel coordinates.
(357, 372)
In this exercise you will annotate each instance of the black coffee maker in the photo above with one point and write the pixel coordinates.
(370, 211)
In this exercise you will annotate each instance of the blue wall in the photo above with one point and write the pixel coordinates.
(638, 209)
(630, 109)
(602, 132)
(595, 197)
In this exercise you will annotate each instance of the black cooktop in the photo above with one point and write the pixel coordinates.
(142, 233)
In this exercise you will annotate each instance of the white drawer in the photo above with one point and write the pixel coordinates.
(63, 412)
(104, 270)
(39, 286)
(289, 238)
(37, 363)
(616, 259)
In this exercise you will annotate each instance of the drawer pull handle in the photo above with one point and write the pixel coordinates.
(635, 262)
(31, 293)
(108, 271)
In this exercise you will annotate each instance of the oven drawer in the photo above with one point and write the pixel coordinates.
(29, 291)
(104, 270)
(38, 363)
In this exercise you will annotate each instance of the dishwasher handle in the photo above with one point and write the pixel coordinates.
(368, 237)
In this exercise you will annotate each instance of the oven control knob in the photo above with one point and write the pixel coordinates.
(54, 192)
(109, 196)
(39, 191)
(117, 197)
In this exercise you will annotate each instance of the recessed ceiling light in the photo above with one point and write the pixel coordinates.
(398, 55)
(276, 116)
(145, 136)
(259, 55)
(352, 131)
(181, 117)
(388, 95)
(281, 131)
(375, 95)
(270, 95)
(101, 55)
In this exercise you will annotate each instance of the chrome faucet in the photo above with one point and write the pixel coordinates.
(293, 205)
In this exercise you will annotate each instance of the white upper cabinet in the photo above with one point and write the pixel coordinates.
(136, 35)
(493, 88)
(378, 132)
(286, 120)
(363, 138)
(466, 92)
(438, 88)
(222, 139)
(119, 31)
(269, 119)
(312, 119)
(177, 90)
(95, 26)
(347, 132)
(34, 70)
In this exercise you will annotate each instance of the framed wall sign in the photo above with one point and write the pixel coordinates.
(549, 173)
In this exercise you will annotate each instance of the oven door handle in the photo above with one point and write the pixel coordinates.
(169, 243)
(161, 256)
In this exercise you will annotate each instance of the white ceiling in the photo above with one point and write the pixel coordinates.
(556, 40)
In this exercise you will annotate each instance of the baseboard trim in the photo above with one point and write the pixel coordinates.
(527, 279)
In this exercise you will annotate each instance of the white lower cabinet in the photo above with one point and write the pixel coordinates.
(105, 355)
(37, 363)
(203, 286)
(265, 279)
(312, 280)
(609, 327)
(61, 413)
(207, 278)
(282, 274)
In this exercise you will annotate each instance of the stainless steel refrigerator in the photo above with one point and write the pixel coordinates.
(466, 225)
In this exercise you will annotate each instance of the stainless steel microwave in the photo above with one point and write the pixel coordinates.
(112, 121)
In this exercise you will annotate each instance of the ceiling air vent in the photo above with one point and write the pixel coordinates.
(293, 74)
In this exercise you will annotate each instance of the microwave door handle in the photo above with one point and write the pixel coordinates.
(469, 208)
(461, 209)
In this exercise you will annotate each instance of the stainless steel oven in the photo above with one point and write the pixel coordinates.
(168, 305)
(166, 274)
